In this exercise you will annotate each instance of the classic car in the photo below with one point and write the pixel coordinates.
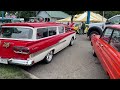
(107, 48)
(29, 43)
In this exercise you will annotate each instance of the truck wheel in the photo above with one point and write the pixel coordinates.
(48, 57)
(93, 32)
(94, 54)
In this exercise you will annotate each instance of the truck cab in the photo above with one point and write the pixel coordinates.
(97, 28)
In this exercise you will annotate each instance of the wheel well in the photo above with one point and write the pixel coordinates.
(73, 37)
(94, 29)
(53, 50)
(91, 44)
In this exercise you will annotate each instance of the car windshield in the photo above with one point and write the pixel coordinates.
(16, 33)
(115, 20)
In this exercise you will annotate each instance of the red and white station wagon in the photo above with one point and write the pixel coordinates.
(107, 49)
(29, 43)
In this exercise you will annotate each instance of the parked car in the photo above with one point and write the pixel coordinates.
(17, 20)
(5, 20)
(107, 48)
(29, 43)
(97, 28)
(11, 20)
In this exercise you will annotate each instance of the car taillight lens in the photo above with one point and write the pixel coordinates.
(22, 50)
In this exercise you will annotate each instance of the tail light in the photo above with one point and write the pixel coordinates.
(22, 50)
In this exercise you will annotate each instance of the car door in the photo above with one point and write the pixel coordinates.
(61, 39)
(110, 45)
(113, 55)
(102, 45)
(46, 40)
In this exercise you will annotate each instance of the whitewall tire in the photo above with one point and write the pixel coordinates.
(71, 42)
(48, 57)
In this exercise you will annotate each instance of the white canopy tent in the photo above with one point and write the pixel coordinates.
(68, 19)
(93, 17)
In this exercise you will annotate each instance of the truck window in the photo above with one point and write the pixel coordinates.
(107, 34)
(115, 40)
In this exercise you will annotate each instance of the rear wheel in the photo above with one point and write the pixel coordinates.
(93, 32)
(108, 75)
(48, 57)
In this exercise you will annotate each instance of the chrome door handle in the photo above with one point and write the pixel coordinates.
(101, 45)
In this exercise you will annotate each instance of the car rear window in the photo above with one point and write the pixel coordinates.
(16, 33)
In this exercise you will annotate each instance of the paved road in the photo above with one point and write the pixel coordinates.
(75, 62)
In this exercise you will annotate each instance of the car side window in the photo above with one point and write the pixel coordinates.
(115, 40)
(107, 34)
(42, 32)
(61, 30)
(52, 31)
(67, 29)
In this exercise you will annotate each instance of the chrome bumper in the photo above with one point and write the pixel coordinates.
(18, 61)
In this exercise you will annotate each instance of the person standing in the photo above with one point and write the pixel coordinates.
(83, 27)
(79, 28)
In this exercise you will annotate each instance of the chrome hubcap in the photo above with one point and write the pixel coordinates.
(92, 50)
(49, 56)
(72, 41)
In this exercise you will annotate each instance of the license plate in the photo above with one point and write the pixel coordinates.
(4, 61)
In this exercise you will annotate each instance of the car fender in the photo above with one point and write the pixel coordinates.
(94, 28)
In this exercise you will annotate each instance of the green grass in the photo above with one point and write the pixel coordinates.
(11, 72)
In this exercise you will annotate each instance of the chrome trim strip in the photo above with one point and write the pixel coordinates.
(41, 51)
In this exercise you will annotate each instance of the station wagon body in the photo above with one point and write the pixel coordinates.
(29, 43)
(107, 48)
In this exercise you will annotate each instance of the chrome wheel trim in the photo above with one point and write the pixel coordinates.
(49, 56)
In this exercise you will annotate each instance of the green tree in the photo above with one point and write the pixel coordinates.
(1, 13)
(26, 14)
(73, 12)
(22, 14)
(108, 14)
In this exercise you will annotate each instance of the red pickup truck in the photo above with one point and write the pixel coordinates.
(107, 48)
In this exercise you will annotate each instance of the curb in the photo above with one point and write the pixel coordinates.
(29, 74)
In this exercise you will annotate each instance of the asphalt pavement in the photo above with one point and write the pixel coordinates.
(73, 62)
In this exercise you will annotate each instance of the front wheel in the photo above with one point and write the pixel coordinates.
(94, 54)
(93, 32)
(48, 57)
(71, 42)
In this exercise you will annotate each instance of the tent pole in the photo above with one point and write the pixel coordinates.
(103, 15)
(72, 18)
(88, 17)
